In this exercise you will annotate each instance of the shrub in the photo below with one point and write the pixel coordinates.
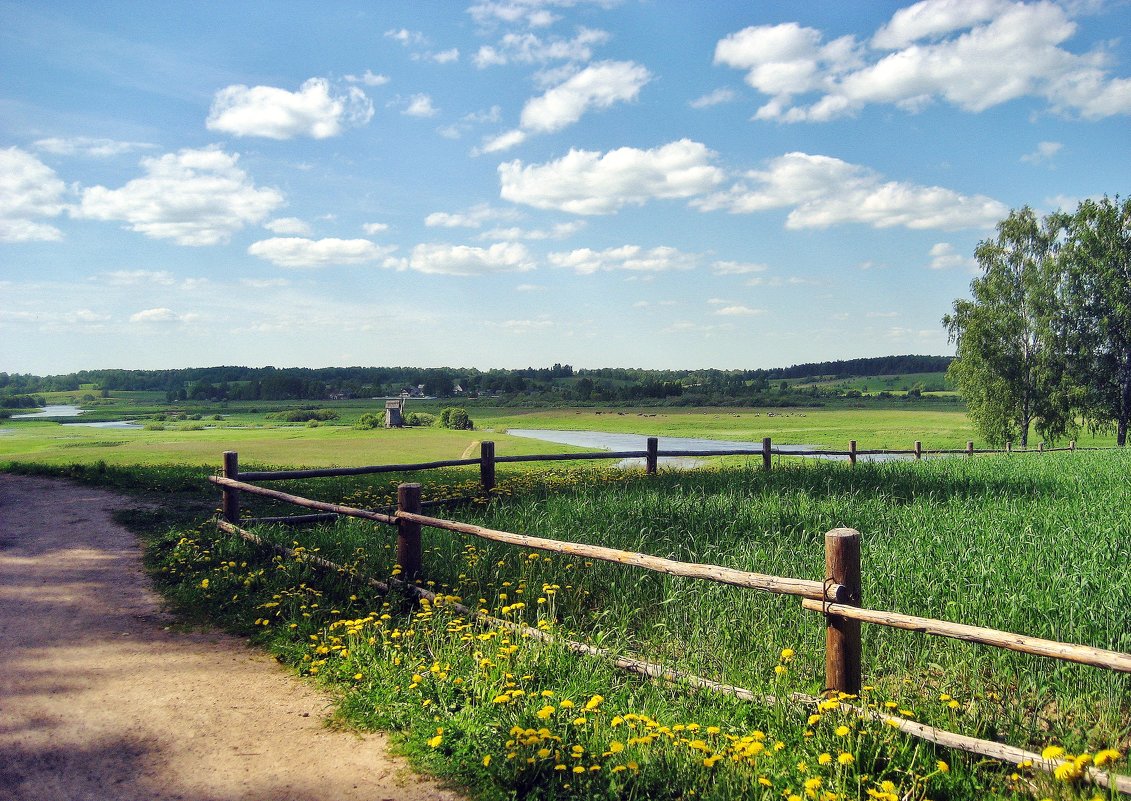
(303, 415)
(368, 420)
(455, 417)
(419, 419)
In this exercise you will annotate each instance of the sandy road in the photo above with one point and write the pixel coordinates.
(99, 699)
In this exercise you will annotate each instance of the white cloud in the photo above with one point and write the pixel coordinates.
(738, 310)
(375, 228)
(633, 258)
(369, 78)
(194, 197)
(420, 105)
(737, 268)
(89, 146)
(528, 48)
(406, 37)
(557, 231)
(136, 277)
(278, 114)
(161, 315)
(974, 54)
(589, 182)
(534, 13)
(445, 56)
(265, 283)
(474, 217)
(1044, 153)
(504, 141)
(300, 252)
(824, 191)
(288, 225)
(945, 257)
(599, 86)
(29, 190)
(442, 259)
(724, 95)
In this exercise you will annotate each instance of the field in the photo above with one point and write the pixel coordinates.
(197, 434)
(1029, 543)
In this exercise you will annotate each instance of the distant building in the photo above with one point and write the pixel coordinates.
(393, 413)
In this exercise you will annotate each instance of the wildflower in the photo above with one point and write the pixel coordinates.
(1052, 752)
(781, 670)
(615, 747)
(1106, 755)
(434, 742)
(486, 760)
(578, 768)
(845, 758)
(545, 712)
(711, 760)
(842, 731)
(787, 654)
(943, 767)
(814, 719)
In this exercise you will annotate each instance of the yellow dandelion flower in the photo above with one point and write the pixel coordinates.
(787, 654)
(486, 760)
(1052, 752)
(615, 747)
(825, 758)
(845, 758)
(578, 768)
(434, 742)
(545, 712)
(943, 767)
(842, 731)
(1106, 755)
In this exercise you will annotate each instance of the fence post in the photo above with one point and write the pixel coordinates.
(767, 452)
(842, 636)
(651, 460)
(1072, 445)
(1040, 447)
(408, 532)
(1008, 446)
(969, 448)
(487, 466)
(918, 449)
(230, 503)
(852, 452)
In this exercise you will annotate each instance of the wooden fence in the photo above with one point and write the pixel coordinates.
(838, 597)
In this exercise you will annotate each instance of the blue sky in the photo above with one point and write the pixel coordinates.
(504, 183)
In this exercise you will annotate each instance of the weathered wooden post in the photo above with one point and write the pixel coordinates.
(408, 532)
(651, 459)
(487, 466)
(969, 448)
(767, 453)
(1040, 447)
(842, 636)
(918, 449)
(230, 503)
(852, 452)
(1008, 446)
(1072, 445)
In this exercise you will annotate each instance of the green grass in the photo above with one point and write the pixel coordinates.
(1028, 543)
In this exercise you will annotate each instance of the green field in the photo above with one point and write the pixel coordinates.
(1028, 543)
(192, 434)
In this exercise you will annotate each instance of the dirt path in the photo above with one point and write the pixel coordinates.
(100, 700)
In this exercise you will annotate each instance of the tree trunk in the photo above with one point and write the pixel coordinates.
(1124, 405)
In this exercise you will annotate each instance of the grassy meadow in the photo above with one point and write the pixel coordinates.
(1031, 543)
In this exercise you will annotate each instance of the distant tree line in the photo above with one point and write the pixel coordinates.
(1044, 341)
(559, 383)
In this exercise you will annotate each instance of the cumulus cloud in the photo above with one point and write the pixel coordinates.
(598, 86)
(275, 113)
(533, 13)
(945, 257)
(288, 225)
(634, 258)
(375, 228)
(369, 78)
(528, 48)
(737, 268)
(29, 191)
(823, 191)
(474, 217)
(89, 146)
(194, 197)
(590, 182)
(420, 105)
(724, 95)
(161, 315)
(974, 54)
(1044, 153)
(136, 277)
(298, 252)
(738, 310)
(556, 231)
(442, 259)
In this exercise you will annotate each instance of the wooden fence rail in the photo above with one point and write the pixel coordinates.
(838, 597)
